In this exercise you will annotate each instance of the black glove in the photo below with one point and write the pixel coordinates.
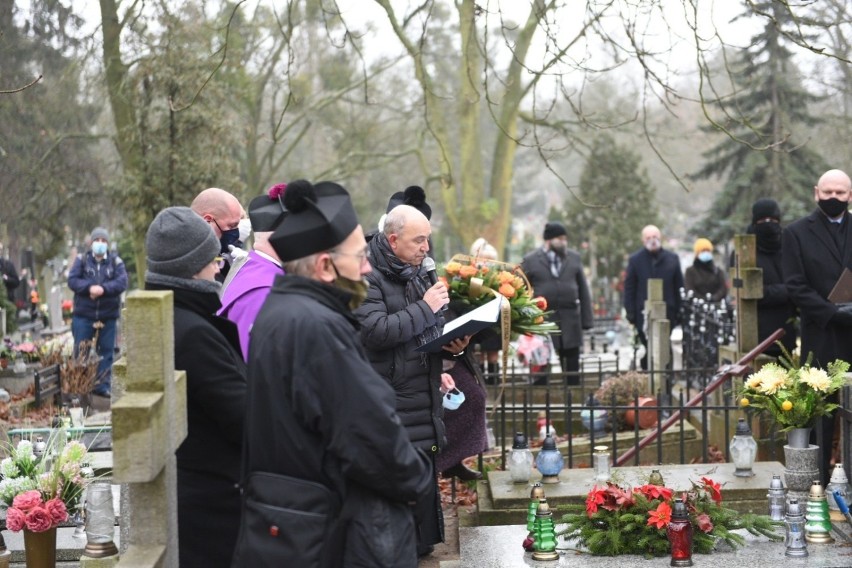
(843, 315)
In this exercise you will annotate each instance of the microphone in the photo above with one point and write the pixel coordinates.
(429, 265)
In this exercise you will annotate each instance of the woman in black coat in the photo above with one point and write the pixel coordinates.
(182, 258)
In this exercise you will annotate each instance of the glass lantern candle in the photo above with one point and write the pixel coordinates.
(840, 483)
(544, 547)
(549, 461)
(656, 478)
(520, 460)
(743, 450)
(777, 498)
(536, 495)
(794, 531)
(100, 521)
(601, 463)
(679, 533)
(817, 523)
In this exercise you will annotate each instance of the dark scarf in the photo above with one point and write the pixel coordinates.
(704, 266)
(767, 237)
(385, 261)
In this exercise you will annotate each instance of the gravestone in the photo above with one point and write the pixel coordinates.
(148, 424)
(747, 289)
(659, 331)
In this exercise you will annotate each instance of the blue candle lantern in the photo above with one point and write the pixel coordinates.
(549, 461)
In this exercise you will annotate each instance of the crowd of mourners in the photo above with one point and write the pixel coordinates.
(317, 426)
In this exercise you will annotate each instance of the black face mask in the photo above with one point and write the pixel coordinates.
(229, 237)
(833, 207)
(768, 236)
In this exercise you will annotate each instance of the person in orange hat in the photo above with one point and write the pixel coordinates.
(704, 277)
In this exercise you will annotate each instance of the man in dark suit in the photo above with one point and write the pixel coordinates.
(651, 261)
(816, 249)
(556, 273)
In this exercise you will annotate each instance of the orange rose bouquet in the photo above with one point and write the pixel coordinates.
(475, 281)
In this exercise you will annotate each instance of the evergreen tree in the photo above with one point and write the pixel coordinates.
(49, 178)
(762, 156)
(616, 201)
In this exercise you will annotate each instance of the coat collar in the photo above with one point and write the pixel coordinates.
(816, 225)
(333, 298)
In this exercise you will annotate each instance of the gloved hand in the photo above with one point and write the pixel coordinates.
(843, 315)
(236, 253)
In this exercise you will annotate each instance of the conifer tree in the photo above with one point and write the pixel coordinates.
(766, 151)
(617, 201)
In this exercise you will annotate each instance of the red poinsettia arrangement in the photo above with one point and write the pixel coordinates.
(618, 520)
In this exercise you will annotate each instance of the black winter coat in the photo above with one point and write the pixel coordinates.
(389, 330)
(208, 460)
(567, 295)
(812, 264)
(640, 268)
(706, 278)
(318, 411)
(775, 309)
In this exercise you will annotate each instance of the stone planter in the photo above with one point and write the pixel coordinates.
(802, 468)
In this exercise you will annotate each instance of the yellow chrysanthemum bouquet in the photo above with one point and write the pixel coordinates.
(794, 396)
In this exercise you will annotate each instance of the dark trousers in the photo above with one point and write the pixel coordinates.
(429, 518)
(570, 361)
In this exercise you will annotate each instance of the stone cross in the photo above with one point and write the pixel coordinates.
(659, 328)
(148, 425)
(747, 288)
(747, 284)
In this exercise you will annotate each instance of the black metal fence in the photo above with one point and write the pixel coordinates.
(519, 404)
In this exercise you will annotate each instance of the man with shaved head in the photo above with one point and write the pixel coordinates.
(222, 211)
(651, 261)
(815, 251)
(402, 312)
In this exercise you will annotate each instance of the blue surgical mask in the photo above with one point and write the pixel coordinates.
(453, 399)
(705, 256)
(99, 248)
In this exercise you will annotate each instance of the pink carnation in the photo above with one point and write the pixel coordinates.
(27, 500)
(704, 522)
(14, 519)
(277, 190)
(38, 520)
(57, 510)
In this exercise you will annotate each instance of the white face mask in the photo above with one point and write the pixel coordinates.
(245, 229)
(652, 244)
(99, 248)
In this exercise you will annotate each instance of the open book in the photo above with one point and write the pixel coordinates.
(476, 320)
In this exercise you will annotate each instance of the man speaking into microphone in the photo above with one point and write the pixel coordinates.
(402, 312)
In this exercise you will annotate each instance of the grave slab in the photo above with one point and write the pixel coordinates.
(500, 547)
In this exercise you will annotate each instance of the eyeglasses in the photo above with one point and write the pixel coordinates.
(220, 262)
(362, 256)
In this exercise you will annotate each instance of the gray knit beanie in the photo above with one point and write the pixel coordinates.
(180, 243)
(100, 233)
